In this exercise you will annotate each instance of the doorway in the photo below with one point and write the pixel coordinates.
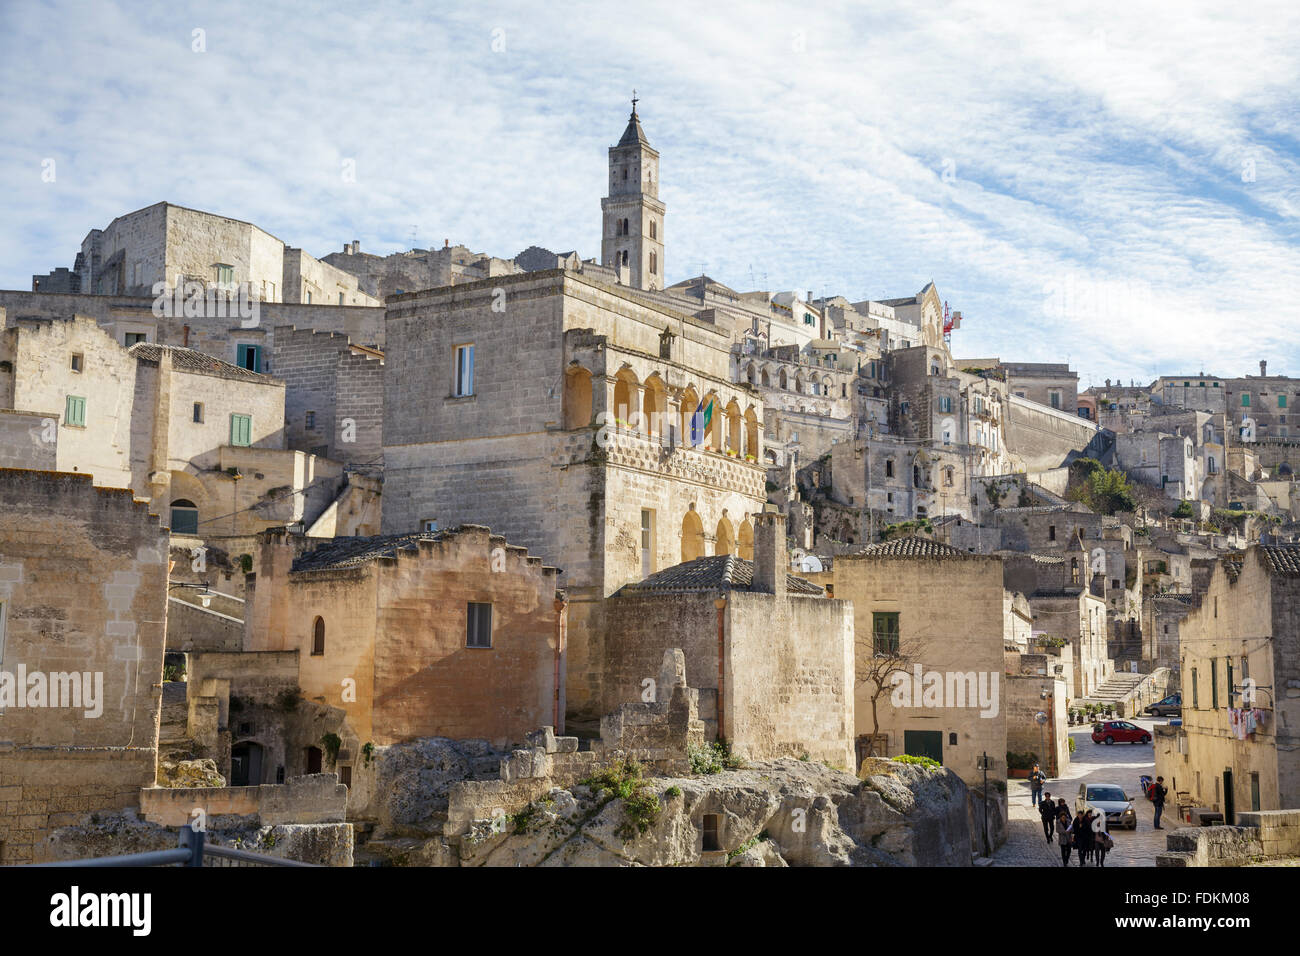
(246, 764)
(313, 760)
(1229, 808)
(924, 743)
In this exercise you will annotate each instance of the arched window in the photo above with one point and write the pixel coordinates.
(692, 536)
(318, 637)
(785, 382)
(654, 264)
(624, 257)
(764, 379)
(1074, 570)
(185, 517)
(654, 230)
(745, 540)
(722, 541)
(577, 397)
(625, 398)
(654, 406)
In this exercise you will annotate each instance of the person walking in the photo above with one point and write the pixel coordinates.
(1064, 837)
(1158, 794)
(1101, 840)
(1036, 780)
(1082, 830)
(1047, 810)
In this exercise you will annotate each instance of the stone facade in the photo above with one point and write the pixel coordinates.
(83, 585)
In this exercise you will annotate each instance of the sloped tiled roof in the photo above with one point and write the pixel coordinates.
(353, 552)
(189, 360)
(719, 572)
(912, 546)
(1281, 559)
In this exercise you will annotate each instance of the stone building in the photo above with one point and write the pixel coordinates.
(83, 612)
(439, 634)
(334, 396)
(564, 411)
(1075, 614)
(173, 424)
(1053, 384)
(416, 269)
(942, 612)
(773, 655)
(172, 245)
(1238, 748)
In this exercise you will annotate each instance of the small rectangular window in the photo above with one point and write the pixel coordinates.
(884, 632)
(478, 625)
(429, 524)
(1214, 684)
(249, 357)
(340, 298)
(311, 421)
(77, 360)
(74, 411)
(198, 413)
(463, 371)
(241, 430)
(225, 276)
(134, 338)
(345, 773)
(1196, 691)
(709, 842)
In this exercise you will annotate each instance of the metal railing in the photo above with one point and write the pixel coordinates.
(192, 850)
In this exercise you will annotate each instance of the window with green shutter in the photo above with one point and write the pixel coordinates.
(884, 633)
(74, 411)
(241, 430)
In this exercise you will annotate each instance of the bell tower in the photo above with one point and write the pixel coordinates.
(632, 215)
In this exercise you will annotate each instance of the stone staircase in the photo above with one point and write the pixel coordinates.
(1128, 693)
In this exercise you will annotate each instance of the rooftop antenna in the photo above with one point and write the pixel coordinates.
(413, 235)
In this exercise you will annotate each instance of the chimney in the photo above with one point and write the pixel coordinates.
(1263, 369)
(356, 247)
(771, 562)
(446, 243)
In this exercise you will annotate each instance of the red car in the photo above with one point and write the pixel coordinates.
(1119, 730)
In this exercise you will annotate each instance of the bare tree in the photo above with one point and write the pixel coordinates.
(876, 660)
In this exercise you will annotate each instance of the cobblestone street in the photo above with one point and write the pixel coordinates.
(1119, 764)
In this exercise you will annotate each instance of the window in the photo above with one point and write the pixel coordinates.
(1245, 400)
(310, 422)
(308, 297)
(1214, 683)
(134, 338)
(884, 633)
(185, 517)
(478, 625)
(1281, 401)
(889, 468)
(654, 264)
(463, 371)
(345, 773)
(340, 298)
(945, 403)
(241, 430)
(225, 276)
(1051, 532)
(318, 637)
(77, 361)
(249, 357)
(1228, 661)
(429, 524)
(74, 411)
(198, 413)
(1196, 691)
(647, 542)
(654, 230)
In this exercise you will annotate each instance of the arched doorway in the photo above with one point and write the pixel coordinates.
(577, 397)
(246, 764)
(745, 540)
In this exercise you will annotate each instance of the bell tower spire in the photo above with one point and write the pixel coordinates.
(632, 238)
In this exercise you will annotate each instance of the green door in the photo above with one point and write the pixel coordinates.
(924, 743)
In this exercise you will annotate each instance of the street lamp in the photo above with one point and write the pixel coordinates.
(205, 594)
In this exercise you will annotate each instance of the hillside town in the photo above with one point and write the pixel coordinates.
(446, 557)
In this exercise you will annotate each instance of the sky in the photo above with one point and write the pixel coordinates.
(1108, 184)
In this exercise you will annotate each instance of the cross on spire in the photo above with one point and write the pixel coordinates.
(634, 100)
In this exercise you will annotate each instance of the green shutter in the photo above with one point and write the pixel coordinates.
(74, 411)
(241, 429)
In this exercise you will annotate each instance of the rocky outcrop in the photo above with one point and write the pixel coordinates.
(189, 773)
(777, 813)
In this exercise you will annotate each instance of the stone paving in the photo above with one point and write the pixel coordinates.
(1120, 764)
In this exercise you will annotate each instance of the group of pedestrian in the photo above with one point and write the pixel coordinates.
(1085, 833)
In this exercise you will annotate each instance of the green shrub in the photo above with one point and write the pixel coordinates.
(714, 758)
(623, 781)
(673, 791)
(913, 759)
(1071, 745)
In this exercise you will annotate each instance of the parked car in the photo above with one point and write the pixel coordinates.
(1110, 731)
(1109, 799)
(1171, 706)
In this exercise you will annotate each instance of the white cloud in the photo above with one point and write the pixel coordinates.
(1096, 147)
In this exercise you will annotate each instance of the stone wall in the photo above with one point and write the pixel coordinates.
(28, 439)
(316, 798)
(1261, 835)
(82, 592)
